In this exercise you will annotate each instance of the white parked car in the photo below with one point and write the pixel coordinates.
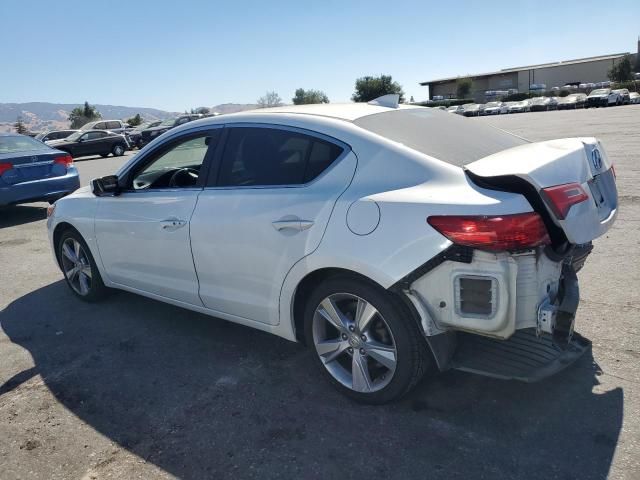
(495, 108)
(518, 107)
(391, 239)
(459, 109)
(602, 97)
(634, 97)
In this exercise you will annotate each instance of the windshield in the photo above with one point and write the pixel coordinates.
(450, 138)
(600, 91)
(168, 122)
(493, 104)
(19, 143)
(74, 136)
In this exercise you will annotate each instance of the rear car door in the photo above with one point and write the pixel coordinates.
(267, 209)
(143, 233)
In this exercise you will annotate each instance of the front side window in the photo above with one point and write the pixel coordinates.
(177, 166)
(267, 156)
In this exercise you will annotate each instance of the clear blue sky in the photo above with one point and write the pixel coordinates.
(181, 54)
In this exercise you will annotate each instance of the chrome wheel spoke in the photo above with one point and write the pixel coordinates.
(364, 314)
(332, 314)
(360, 374)
(77, 249)
(71, 273)
(329, 350)
(69, 253)
(383, 354)
(86, 270)
(83, 283)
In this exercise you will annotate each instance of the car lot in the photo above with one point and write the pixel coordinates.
(134, 388)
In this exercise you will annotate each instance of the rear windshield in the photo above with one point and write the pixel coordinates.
(19, 143)
(450, 138)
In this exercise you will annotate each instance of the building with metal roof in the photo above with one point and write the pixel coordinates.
(530, 77)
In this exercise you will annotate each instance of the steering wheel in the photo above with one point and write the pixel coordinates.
(182, 174)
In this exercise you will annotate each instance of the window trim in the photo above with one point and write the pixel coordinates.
(125, 178)
(212, 182)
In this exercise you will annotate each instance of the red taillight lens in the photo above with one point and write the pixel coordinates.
(495, 233)
(65, 160)
(5, 166)
(562, 197)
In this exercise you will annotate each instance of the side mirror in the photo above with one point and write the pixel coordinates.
(105, 186)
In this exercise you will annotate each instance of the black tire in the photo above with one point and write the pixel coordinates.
(118, 150)
(104, 155)
(96, 290)
(413, 358)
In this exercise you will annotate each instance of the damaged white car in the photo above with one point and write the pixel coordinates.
(390, 239)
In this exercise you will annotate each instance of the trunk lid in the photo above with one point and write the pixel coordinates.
(28, 166)
(530, 168)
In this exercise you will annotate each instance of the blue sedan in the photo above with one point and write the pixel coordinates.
(31, 171)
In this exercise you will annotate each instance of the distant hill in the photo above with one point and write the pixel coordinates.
(40, 116)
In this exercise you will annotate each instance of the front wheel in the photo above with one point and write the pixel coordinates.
(364, 340)
(118, 150)
(79, 267)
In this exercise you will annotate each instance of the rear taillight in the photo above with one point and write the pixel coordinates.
(65, 160)
(562, 197)
(494, 233)
(5, 167)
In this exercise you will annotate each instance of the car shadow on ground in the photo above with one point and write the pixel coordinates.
(203, 398)
(14, 215)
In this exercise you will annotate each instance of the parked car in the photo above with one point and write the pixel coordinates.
(153, 132)
(134, 135)
(54, 135)
(623, 96)
(92, 142)
(634, 97)
(471, 109)
(31, 171)
(573, 101)
(459, 109)
(602, 97)
(495, 108)
(290, 221)
(115, 126)
(519, 107)
(539, 104)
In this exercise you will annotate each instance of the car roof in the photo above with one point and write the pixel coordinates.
(343, 111)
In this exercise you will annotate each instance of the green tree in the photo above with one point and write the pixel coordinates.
(200, 111)
(304, 97)
(621, 71)
(411, 100)
(20, 127)
(82, 115)
(135, 121)
(463, 87)
(270, 99)
(369, 88)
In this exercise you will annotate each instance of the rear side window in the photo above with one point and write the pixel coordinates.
(99, 126)
(450, 138)
(112, 125)
(269, 156)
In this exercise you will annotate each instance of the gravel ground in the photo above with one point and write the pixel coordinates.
(133, 388)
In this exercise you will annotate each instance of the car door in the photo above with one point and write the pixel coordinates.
(84, 144)
(267, 209)
(143, 233)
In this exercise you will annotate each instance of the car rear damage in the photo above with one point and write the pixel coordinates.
(501, 299)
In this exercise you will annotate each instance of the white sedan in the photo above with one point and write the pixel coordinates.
(390, 239)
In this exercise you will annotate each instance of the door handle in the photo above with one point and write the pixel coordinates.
(296, 224)
(172, 224)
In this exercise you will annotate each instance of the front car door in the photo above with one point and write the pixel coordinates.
(265, 210)
(143, 233)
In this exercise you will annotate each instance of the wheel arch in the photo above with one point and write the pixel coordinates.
(307, 284)
(59, 229)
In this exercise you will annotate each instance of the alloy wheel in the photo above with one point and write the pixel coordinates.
(76, 266)
(354, 342)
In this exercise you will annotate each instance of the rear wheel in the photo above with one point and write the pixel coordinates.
(79, 267)
(118, 150)
(365, 340)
